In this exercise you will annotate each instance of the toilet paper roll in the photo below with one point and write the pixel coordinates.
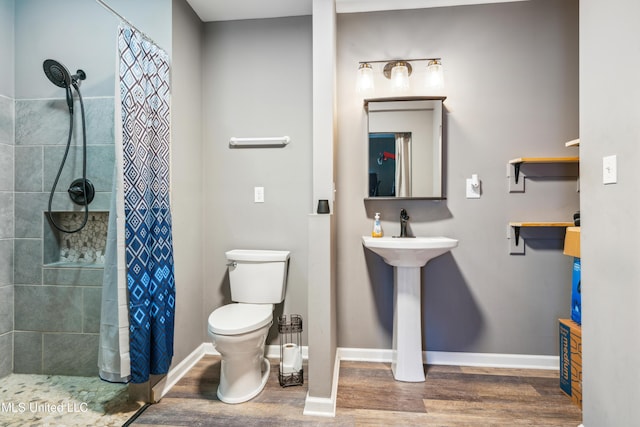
(291, 358)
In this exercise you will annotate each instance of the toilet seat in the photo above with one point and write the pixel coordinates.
(239, 318)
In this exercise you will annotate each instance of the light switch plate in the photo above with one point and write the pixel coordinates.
(258, 194)
(609, 170)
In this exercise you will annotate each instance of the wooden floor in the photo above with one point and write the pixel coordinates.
(369, 396)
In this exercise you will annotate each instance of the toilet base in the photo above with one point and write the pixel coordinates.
(223, 392)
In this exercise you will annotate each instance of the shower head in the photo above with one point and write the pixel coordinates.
(60, 76)
(57, 73)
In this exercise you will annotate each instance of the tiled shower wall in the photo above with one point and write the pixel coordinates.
(57, 306)
(6, 234)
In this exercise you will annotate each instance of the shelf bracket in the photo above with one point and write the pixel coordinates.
(516, 170)
(516, 231)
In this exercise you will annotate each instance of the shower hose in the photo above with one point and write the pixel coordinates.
(64, 159)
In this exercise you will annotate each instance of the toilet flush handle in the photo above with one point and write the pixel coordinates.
(232, 264)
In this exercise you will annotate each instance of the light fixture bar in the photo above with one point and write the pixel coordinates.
(395, 60)
(277, 141)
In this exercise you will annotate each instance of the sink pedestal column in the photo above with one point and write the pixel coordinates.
(407, 325)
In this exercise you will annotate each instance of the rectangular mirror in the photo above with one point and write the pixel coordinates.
(405, 148)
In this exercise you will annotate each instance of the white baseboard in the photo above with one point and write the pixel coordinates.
(494, 360)
(209, 349)
(489, 360)
(176, 373)
(319, 406)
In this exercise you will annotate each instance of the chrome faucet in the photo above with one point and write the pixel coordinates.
(404, 218)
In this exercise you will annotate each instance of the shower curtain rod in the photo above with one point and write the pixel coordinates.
(126, 21)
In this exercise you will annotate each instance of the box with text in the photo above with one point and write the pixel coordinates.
(571, 360)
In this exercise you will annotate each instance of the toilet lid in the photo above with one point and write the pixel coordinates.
(235, 319)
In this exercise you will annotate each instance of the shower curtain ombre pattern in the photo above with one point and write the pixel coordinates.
(145, 104)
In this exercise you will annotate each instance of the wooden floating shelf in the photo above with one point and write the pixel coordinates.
(541, 224)
(517, 225)
(545, 160)
(520, 160)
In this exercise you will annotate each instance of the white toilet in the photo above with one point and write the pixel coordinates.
(258, 281)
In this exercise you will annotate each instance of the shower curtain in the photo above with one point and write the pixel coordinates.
(113, 353)
(143, 218)
(403, 165)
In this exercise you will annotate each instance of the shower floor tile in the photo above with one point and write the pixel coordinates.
(58, 400)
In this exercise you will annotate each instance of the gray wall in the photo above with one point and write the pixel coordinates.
(7, 142)
(186, 183)
(511, 74)
(609, 126)
(256, 83)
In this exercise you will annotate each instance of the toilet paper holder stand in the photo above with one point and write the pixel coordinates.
(291, 371)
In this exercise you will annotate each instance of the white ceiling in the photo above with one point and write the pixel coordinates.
(230, 10)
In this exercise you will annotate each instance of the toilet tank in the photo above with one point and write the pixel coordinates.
(257, 276)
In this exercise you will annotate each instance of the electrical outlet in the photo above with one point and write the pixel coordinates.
(473, 192)
(258, 194)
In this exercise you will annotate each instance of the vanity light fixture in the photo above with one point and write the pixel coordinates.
(398, 71)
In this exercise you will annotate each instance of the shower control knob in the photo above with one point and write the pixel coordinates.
(77, 192)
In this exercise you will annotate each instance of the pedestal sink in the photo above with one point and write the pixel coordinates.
(408, 256)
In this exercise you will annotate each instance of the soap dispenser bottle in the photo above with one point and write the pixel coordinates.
(377, 228)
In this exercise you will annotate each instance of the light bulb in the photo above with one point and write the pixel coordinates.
(400, 76)
(365, 79)
(435, 75)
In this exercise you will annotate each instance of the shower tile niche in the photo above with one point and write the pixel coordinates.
(83, 248)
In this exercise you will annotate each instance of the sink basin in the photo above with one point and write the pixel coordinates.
(408, 251)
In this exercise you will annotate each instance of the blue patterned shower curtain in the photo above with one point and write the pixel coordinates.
(145, 104)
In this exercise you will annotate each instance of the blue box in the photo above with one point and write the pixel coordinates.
(576, 293)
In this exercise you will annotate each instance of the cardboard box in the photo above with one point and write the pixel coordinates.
(572, 242)
(571, 360)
